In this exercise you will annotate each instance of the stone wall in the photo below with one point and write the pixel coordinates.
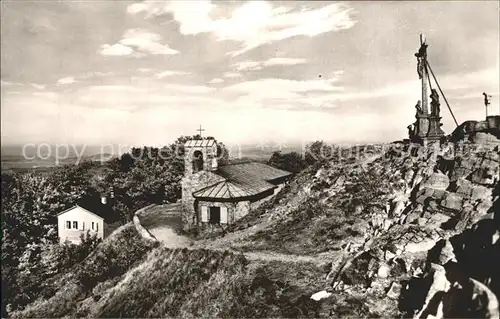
(241, 209)
(190, 184)
(137, 223)
(468, 129)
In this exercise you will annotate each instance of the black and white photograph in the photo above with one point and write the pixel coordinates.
(250, 159)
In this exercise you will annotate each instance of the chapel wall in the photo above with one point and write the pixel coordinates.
(206, 226)
(189, 185)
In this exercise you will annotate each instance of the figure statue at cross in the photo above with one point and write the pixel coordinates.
(487, 98)
(200, 130)
(418, 107)
(435, 105)
(487, 102)
(421, 56)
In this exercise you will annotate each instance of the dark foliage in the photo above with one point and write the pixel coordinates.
(31, 201)
(291, 162)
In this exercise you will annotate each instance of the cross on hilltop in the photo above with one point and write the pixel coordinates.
(200, 130)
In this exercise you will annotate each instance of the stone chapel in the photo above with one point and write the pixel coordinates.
(215, 196)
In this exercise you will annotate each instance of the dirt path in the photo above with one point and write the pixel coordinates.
(272, 256)
(161, 221)
(168, 236)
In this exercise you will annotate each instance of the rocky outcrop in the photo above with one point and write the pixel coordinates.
(462, 275)
(435, 247)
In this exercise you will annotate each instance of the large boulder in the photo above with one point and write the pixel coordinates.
(441, 253)
(453, 201)
(493, 155)
(394, 290)
(436, 180)
(486, 139)
(464, 186)
(487, 174)
(480, 192)
(432, 307)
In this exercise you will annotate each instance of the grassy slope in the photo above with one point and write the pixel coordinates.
(129, 277)
(111, 259)
(312, 215)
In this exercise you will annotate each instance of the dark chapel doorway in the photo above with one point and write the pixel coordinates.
(214, 215)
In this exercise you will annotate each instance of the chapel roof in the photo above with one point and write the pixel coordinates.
(251, 170)
(242, 180)
(200, 143)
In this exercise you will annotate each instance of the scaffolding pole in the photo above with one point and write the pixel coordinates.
(439, 87)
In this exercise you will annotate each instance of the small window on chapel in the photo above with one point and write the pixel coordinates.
(68, 224)
(75, 225)
(197, 161)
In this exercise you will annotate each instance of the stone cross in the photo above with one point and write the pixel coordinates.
(422, 72)
(200, 130)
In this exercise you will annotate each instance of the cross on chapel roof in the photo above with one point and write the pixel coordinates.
(200, 130)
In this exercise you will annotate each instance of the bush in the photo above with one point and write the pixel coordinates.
(113, 258)
(291, 162)
(60, 291)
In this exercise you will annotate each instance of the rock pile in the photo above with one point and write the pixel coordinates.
(434, 250)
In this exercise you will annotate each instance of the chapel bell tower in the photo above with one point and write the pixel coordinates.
(200, 155)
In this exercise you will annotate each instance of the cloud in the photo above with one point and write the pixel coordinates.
(38, 86)
(278, 93)
(140, 42)
(48, 95)
(141, 94)
(116, 49)
(231, 75)
(252, 24)
(486, 79)
(258, 65)
(66, 80)
(285, 85)
(191, 89)
(9, 83)
(473, 81)
(216, 81)
(170, 73)
(146, 42)
(247, 65)
(283, 61)
(456, 87)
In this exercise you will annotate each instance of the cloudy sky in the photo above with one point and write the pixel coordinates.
(147, 72)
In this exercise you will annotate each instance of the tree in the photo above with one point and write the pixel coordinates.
(316, 152)
(30, 203)
(222, 154)
(291, 162)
